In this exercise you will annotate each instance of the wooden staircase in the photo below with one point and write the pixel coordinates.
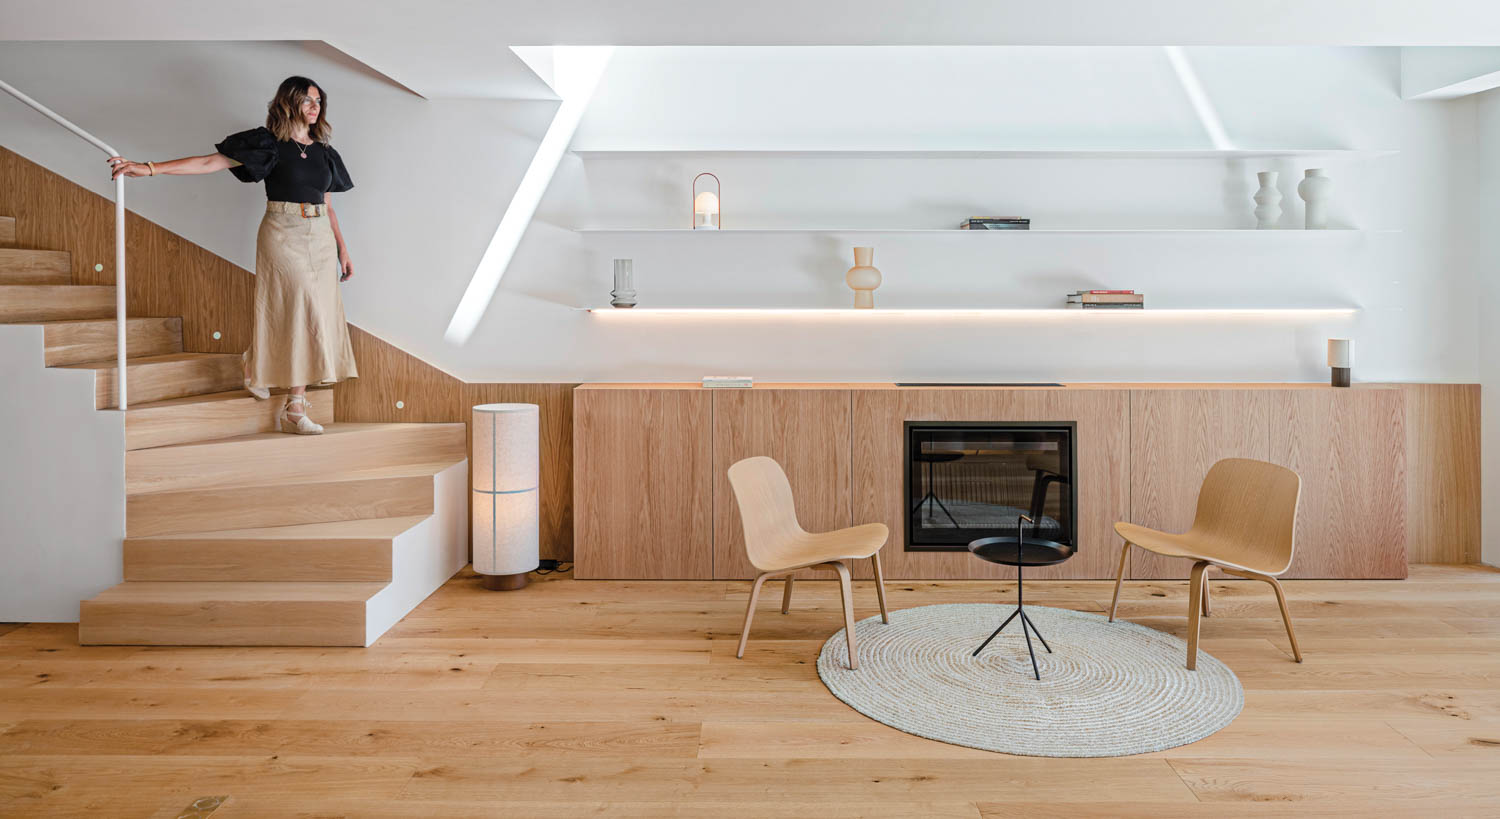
(238, 534)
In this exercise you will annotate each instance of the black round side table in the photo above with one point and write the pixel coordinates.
(1020, 551)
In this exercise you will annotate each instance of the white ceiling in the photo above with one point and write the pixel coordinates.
(459, 48)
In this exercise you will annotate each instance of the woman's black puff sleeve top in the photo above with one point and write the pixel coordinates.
(288, 177)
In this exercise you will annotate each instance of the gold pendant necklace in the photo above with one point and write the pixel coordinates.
(302, 149)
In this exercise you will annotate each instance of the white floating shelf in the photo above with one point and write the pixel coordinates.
(1005, 153)
(1051, 231)
(937, 312)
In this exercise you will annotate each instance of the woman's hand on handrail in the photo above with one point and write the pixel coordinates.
(187, 165)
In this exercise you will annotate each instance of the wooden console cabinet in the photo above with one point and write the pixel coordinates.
(652, 501)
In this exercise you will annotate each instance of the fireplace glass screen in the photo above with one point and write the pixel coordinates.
(968, 481)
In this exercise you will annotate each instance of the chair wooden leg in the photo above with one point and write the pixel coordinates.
(847, 590)
(1195, 609)
(1119, 578)
(1206, 590)
(750, 614)
(885, 616)
(1286, 616)
(786, 596)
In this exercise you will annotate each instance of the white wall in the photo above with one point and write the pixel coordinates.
(434, 176)
(1488, 131)
(62, 486)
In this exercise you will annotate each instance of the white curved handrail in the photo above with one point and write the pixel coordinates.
(119, 233)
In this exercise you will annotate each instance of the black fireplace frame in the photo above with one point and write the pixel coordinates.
(906, 488)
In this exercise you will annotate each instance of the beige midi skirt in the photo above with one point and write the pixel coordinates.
(300, 335)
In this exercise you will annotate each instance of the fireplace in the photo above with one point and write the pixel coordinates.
(968, 480)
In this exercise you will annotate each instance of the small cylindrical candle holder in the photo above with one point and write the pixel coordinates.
(1341, 360)
(506, 513)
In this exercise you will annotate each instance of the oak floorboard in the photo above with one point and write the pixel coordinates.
(533, 809)
(615, 698)
(353, 738)
(1230, 780)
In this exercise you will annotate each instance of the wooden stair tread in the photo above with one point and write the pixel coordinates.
(75, 341)
(412, 470)
(211, 397)
(255, 459)
(209, 417)
(170, 375)
(361, 529)
(342, 428)
(33, 303)
(164, 358)
(25, 266)
(170, 591)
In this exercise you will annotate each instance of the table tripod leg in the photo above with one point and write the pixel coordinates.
(1029, 649)
(996, 633)
(1026, 621)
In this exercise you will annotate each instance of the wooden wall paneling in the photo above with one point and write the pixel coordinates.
(1175, 436)
(1103, 443)
(52, 213)
(1349, 447)
(808, 433)
(555, 403)
(167, 275)
(642, 484)
(388, 375)
(1442, 473)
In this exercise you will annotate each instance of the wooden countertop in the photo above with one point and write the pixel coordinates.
(1081, 385)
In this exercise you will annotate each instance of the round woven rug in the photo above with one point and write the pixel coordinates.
(1108, 689)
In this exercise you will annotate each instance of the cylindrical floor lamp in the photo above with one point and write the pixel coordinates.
(505, 501)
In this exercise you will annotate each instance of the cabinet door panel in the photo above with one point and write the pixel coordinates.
(642, 499)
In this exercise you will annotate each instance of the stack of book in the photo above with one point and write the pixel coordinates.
(728, 382)
(996, 223)
(1106, 300)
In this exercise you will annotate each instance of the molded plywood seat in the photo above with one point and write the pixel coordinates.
(23, 303)
(223, 613)
(7, 231)
(1246, 524)
(85, 340)
(777, 545)
(349, 550)
(198, 418)
(250, 459)
(157, 377)
(18, 266)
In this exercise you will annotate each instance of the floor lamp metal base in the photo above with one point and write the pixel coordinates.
(504, 582)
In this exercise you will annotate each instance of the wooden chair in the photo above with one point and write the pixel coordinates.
(777, 545)
(1245, 523)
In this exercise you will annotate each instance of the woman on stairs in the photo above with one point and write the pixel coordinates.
(300, 256)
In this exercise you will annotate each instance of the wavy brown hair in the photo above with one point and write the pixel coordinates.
(285, 110)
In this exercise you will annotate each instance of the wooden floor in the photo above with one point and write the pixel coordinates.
(578, 698)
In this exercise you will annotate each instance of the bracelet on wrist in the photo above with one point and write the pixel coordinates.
(151, 166)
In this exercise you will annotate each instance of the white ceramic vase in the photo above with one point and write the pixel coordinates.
(1267, 201)
(1315, 189)
(863, 278)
